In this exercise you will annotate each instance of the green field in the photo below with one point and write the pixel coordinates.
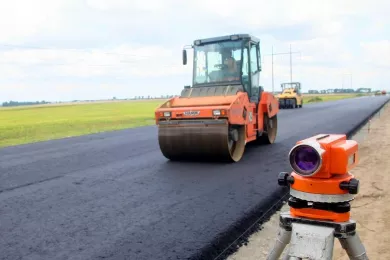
(312, 98)
(19, 125)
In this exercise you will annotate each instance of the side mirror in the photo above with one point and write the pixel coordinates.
(184, 57)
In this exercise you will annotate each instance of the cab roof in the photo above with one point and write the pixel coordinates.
(225, 38)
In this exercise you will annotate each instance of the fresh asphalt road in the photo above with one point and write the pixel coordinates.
(114, 196)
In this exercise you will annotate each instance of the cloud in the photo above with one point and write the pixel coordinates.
(76, 49)
(141, 5)
(20, 19)
(129, 60)
(376, 53)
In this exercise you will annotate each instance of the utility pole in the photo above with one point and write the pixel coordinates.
(272, 69)
(281, 53)
(350, 79)
(290, 65)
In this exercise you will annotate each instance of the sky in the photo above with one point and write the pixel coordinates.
(61, 50)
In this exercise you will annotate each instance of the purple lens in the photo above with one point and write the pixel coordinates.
(306, 158)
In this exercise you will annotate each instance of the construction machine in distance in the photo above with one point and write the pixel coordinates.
(224, 109)
(380, 92)
(291, 96)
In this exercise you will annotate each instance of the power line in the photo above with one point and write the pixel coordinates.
(272, 67)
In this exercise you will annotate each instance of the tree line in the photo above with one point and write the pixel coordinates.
(340, 90)
(30, 103)
(23, 103)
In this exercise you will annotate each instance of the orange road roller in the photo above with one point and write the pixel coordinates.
(224, 109)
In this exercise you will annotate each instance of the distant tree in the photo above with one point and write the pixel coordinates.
(12, 103)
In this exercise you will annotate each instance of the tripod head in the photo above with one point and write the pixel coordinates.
(321, 186)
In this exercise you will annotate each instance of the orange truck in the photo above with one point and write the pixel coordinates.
(224, 109)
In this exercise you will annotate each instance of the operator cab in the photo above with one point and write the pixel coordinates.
(295, 87)
(232, 60)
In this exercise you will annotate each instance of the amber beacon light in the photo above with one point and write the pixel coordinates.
(321, 185)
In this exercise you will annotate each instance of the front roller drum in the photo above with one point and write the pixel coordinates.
(214, 140)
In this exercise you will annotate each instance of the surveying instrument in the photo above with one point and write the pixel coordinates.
(321, 189)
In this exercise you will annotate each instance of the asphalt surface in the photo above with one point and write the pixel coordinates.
(114, 196)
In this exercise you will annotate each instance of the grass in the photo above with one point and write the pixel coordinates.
(27, 124)
(20, 125)
(327, 97)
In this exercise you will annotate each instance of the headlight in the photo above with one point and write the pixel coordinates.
(216, 112)
(306, 158)
(167, 114)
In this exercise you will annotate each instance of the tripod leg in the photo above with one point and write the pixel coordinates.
(282, 240)
(354, 247)
(287, 256)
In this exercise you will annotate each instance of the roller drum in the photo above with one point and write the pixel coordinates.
(282, 103)
(201, 140)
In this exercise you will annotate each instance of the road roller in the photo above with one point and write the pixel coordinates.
(291, 96)
(224, 109)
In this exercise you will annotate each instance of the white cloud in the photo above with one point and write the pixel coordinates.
(124, 60)
(324, 50)
(22, 18)
(377, 53)
(150, 5)
(265, 14)
(121, 42)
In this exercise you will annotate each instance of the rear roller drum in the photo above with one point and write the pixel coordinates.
(270, 130)
(282, 103)
(287, 102)
(295, 103)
